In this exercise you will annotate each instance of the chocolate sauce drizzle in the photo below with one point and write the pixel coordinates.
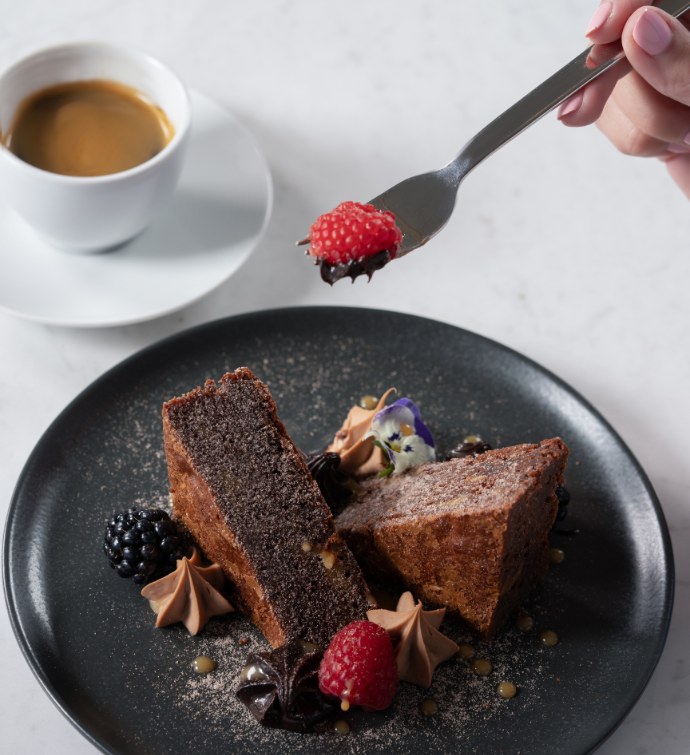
(354, 268)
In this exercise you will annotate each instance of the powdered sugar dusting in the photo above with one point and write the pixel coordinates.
(314, 383)
(465, 700)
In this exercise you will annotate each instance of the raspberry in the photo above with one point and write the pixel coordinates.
(359, 667)
(352, 232)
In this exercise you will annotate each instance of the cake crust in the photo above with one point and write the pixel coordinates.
(469, 534)
(242, 489)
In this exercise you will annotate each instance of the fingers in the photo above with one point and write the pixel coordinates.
(658, 48)
(586, 105)
(640, 121)
(608, 21)
(604, 29)
(642, 104)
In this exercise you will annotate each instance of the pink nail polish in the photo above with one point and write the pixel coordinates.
(678, 149)
(571, 105)
(651, 32)
(682, 148)
(600, 17)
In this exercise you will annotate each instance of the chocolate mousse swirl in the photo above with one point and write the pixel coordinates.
(359, 455)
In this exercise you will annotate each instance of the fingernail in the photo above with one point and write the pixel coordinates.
(600, 17)
(651, 32)
(678, 149)
(682, 148)
(571, 105)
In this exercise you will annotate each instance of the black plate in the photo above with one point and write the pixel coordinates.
(129, 688)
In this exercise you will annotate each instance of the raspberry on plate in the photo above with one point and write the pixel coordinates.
(359, 667)
(353, 239)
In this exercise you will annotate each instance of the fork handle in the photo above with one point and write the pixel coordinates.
(540, 101)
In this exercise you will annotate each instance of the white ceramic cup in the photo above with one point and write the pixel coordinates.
(93, 213)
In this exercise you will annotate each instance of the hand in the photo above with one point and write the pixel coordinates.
(642, 105)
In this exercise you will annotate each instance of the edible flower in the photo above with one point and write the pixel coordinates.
(399, 431)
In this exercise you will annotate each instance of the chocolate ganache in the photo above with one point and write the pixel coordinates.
(336, 486)
(281, 688)
(354, 268)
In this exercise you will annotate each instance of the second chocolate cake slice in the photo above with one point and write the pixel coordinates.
(468, 534)
(241, 487)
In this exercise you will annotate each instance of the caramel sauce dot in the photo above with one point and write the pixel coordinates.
(549, 638)
(506, 690)
(329, 558)
(202, 664)
(556, 556)
(341, 727)
(524, 622)
(368, 402)
(466, 650)
(482, 666)
(428, 707)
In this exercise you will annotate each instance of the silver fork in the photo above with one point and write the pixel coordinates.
(423, 204)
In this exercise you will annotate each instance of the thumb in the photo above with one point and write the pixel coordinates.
(658, 48)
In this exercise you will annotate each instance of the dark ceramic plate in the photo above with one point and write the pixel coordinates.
(128, 687)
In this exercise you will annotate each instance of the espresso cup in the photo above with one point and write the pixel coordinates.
(93, 212)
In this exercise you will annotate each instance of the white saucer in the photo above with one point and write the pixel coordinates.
(214, 222)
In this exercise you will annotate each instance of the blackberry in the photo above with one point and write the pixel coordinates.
(143, 544)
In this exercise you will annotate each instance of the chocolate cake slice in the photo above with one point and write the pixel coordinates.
(470, 534)
(241, 487)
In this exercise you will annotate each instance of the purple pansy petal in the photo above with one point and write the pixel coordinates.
(397, 412)
(419, 427)
(403, 450)
(424, 433)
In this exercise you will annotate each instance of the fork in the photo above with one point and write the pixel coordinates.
(423, 204)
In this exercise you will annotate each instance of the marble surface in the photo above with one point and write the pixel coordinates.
(559, 247)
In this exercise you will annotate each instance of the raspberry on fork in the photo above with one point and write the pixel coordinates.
(353, 239)
(359, 667)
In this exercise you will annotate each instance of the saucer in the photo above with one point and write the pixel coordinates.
(213, 223)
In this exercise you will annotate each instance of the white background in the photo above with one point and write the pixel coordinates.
(559, 247)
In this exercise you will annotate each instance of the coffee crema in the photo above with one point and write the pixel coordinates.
(88, 128)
